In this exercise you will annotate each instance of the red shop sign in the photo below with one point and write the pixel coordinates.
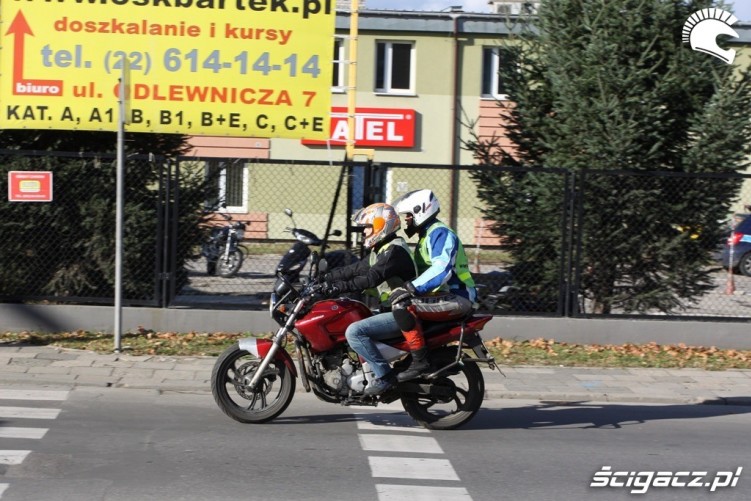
(384, 127)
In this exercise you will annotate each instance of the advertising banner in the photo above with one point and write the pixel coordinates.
(201, 67)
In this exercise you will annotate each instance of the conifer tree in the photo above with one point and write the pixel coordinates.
(608, 85)
(65, 248)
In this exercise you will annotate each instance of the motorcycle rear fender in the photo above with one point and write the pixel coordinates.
(261, 347)
(442, 334)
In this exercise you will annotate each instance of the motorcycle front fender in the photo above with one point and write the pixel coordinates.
(261, 347)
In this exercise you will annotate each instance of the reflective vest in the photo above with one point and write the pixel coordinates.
(383, 290)
(461, 265)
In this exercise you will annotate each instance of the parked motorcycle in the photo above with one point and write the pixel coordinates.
(224, 256)
(494, 290)
(293, 262)
(254, 380)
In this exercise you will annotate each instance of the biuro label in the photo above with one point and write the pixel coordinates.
(38, 88)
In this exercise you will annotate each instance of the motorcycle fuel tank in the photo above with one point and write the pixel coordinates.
(324, 325)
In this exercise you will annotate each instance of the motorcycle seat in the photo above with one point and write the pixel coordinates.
(431, 328)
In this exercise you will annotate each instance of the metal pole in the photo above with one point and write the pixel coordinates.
(350, 150)
(352, 79)
(119, 206)
(730, 284)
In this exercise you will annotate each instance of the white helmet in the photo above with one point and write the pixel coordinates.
(422, 204)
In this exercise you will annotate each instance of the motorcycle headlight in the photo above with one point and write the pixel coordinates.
(240, 234)
(277, 311)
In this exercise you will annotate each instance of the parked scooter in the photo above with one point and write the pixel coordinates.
(224, 256)
(293, 262)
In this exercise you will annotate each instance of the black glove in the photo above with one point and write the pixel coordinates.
(331, 290)
(399, 294)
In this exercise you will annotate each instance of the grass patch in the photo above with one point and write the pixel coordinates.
(142, 342)
(533, 352)
(550, 352)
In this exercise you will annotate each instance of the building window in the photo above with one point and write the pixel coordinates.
(496, 62)
(394, 67)
(338, 79)
(232, 184)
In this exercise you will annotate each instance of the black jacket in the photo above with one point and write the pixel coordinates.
(394, 261)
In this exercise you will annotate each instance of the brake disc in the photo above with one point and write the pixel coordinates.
(245, 373)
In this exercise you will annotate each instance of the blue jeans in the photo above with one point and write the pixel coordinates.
(362, 335)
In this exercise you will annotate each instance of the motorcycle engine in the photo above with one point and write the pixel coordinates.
(338, 372)
(336, 380)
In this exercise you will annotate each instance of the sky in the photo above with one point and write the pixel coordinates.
(742, 8)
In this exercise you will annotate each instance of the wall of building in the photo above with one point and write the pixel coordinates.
(448, 45)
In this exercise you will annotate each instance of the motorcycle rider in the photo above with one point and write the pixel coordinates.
(389, 266)
(444, 289)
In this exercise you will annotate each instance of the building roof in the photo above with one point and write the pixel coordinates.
(464, 22)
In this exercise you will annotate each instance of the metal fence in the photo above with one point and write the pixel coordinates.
(63, 251)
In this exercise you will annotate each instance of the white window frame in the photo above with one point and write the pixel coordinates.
(495, 77)
(223, 188)
(340, 65)
(388, 68)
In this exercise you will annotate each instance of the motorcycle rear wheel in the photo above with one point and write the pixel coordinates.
(229, 267)
(233, 371)
(467, 387)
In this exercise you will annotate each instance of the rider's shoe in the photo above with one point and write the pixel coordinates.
(377, 387)
(419, 365)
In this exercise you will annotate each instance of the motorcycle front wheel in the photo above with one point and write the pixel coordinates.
(229, 267)
(230, 386)
(457, 395)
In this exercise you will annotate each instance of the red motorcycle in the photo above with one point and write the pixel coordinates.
(253, 381)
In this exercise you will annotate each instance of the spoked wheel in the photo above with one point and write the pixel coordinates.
(230, 381)
(231, 265)
(455, 396)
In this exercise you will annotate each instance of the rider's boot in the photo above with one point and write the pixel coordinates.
(419, 353)
(409, 323)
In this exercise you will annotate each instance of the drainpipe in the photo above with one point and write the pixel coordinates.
(455, 117)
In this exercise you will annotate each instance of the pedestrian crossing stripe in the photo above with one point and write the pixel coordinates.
(21, 432)
(6, 394)
(28, 412)
(13, 457)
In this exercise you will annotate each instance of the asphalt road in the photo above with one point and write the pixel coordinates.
(124, 444)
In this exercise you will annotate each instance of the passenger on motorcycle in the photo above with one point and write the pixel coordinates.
(444, 289)
(389, 266)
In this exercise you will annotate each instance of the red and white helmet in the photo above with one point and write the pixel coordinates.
(382, 218)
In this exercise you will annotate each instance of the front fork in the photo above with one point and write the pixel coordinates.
(228, 247)
(277, 342)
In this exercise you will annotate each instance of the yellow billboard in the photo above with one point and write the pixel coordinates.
(257, 68)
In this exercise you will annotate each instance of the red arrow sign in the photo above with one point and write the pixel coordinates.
(28, 87)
